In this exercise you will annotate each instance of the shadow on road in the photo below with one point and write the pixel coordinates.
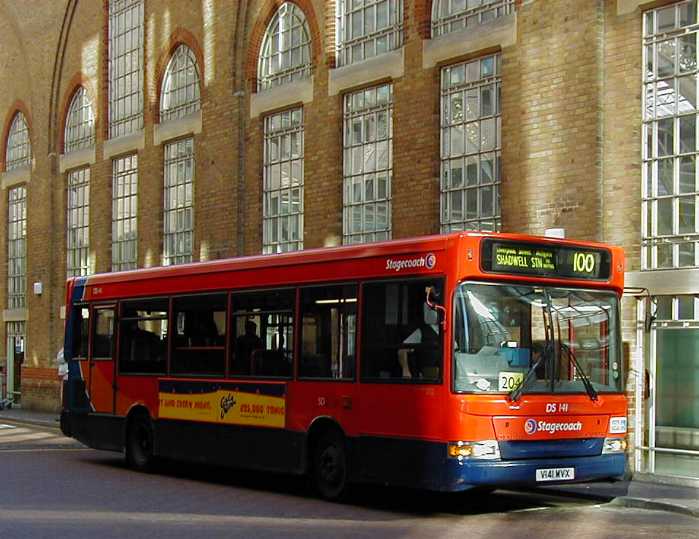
(405, 501)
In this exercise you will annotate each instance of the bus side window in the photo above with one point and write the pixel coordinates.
(143, 337)
(329, 317)
(103, 334)
(199, 336)
(81, 331)
(401, 335)
(263, 333)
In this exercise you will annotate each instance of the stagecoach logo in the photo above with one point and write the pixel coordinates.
(428, 261)
(227, 402)
(531, 426)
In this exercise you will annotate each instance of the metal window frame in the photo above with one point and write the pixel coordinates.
(477, 190)
(126, 38)
(17, 247)
(279, 131)
(79, 131)
(178, 201)
(125, 212)
(78, 222)
(672, 248)
(19, 148)
(288, 18)
(359, 107)
(365, 44)
(180, 94)
(446, 18)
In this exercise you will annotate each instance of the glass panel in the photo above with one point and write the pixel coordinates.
(677, 399)
(401, 335)
(558, 333)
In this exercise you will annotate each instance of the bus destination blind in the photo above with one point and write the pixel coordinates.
(545, 260)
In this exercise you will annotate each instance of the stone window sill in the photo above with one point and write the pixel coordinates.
(501, 32)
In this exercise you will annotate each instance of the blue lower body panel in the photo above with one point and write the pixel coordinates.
(470, 474)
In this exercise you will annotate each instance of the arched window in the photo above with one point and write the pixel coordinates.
(453, 15)
(19, 148)
(80, 123)
(367, 28)
(180, 91)
(286, 48)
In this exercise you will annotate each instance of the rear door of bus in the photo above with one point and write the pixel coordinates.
(102, 366)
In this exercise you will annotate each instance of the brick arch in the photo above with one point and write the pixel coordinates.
(258, 33)
(179, 36)
(76, 82)
(17, 106)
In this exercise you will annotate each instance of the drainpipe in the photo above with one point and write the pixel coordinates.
(239, 93)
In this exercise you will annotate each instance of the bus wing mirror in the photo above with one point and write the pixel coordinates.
(430, 294)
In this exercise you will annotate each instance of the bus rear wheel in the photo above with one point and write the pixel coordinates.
(330, 470)
(139, 444)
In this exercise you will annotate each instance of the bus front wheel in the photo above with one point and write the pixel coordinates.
(330, 466)
(139, 443)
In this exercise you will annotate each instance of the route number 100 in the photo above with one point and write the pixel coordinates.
(583, 262)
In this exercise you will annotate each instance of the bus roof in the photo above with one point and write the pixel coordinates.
(250, 264)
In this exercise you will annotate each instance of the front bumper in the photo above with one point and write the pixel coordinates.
(495, 473)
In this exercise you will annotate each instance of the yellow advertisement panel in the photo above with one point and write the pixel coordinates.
(220, 404)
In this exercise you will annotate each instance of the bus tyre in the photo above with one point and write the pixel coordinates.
(330, 466)
(139, 444)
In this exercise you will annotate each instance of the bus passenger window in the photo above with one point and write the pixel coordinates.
(401, 334)
(263, 333)
(81, 332)
(329, 318)
(103, 334)
(143, 337)
(199, 340)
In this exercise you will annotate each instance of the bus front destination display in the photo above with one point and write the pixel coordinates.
(545, 260)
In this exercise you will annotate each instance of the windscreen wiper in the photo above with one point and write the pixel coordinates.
(585, 380)
(516, 393)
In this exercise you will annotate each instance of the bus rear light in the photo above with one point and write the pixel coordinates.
(485, 449)
(614, 445)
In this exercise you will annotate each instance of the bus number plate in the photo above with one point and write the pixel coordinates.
(555, 474)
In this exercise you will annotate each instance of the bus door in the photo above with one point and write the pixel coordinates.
(326, 368)
(102, 365)
(401, 372)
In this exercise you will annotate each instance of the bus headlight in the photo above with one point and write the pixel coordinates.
(484, 449)
(613, 445)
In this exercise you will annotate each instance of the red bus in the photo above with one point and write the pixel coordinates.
(443, 362)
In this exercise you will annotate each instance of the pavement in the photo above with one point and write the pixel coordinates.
(642, 491)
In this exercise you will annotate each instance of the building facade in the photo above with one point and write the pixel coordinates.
(139, 133)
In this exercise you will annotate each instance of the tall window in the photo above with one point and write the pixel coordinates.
(124, 212)
(453, 15)
(179, 209)
(80, 123)
(17, 248)
(125, 67)
(368, 164)
(286, 48)
(670, 189)
(282, 213)
(19, 148)
(180, 91)
(470, 136)
(78, 222)
(366, 28)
